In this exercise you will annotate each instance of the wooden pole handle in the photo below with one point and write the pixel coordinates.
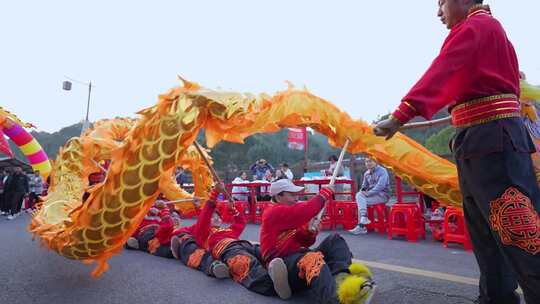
(212, 170)
(334, 177)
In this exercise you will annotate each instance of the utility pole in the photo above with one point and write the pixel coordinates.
(66, 86)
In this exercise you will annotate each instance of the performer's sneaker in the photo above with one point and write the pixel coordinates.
(175, 245)
(358, 230)
(219, 270)
(352, 289)
(132, 243)
(364, 220)
(277, 270)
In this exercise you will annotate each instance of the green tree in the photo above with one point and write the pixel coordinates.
(438, 143)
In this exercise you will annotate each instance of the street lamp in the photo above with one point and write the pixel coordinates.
(66, 86)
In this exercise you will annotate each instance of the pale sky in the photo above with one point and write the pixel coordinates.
(361, 55)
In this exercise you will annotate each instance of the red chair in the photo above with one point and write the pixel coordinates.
(328, 220)
(456, 233)
(260, 208)
(406, 220)
(345, 214)
(378, 215)
(417, 197)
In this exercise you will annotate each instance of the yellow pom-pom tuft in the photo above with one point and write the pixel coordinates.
(360, 269)
(349, 289)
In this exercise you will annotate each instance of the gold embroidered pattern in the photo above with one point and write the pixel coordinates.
(479, 9)
(516, 220)
(513, 103)
(485, 99)
(410, 106)
(284, 236)
(486, 120)
(221, 246)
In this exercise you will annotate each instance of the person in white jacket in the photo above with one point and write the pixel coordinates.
(286, 171)
(240, 193)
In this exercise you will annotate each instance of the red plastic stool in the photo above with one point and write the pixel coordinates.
(459, 233)
(406, 220)
(328, 221)
(378, 215)
(260, 207)
(346, 214)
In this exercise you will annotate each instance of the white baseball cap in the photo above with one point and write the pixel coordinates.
(284, 185)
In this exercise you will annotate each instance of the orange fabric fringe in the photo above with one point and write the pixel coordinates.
(310, 266)
(239, 267)
(195, 258)
(153, 245)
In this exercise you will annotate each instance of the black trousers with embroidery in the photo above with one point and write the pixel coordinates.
(322, 287)
(146, 236)
(244, 261)
(193, 256)
(501, 200)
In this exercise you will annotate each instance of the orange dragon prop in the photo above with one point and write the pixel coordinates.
(144, 153)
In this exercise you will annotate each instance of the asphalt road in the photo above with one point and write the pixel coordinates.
(423, 272)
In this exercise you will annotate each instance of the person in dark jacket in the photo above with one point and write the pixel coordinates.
(15, 189)
(4, 208)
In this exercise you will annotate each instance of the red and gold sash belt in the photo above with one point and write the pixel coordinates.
(484, 110)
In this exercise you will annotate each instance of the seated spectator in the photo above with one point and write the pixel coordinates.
(240, 193)
(375, 189)
(259, 169)
(279, 175)
(268, 176)
(286, 171)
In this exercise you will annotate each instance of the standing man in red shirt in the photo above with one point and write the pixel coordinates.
(476, 75)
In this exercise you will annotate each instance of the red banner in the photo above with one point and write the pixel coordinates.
(297, 138)
(4, 145)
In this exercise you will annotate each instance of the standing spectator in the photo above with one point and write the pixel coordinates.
(375, 189)
(259, 169)
(180, 176)
(36, 188)
(286, 171)
(16, 188)
(240, 193)
(333, 163)
(4, 208)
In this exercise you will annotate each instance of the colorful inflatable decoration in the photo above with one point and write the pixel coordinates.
(146, 152)
(530, 104)
(13, 127)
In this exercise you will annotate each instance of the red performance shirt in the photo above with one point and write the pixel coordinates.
(283, 229)
(200, 230)
(232, 233)
(476, 60)
(146, 222)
